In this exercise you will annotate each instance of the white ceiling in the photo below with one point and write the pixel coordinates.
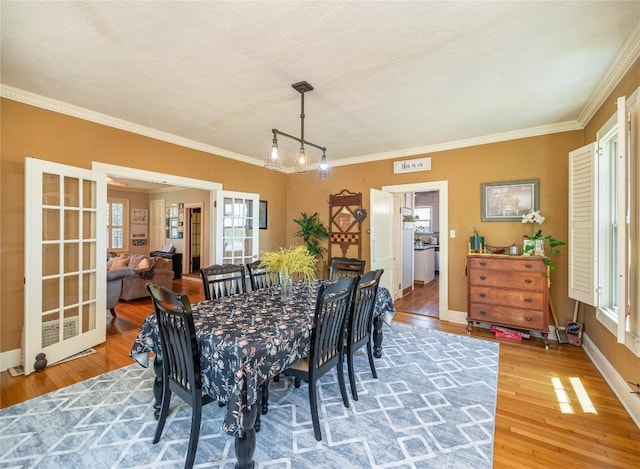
(391, 78)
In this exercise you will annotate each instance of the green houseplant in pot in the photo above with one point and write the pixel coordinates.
(312, 231)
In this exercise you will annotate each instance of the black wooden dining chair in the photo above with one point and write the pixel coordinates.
(180, 361)
(223, 280)
(260, 278)
(327, 343)
(341, 267)
(360, 324)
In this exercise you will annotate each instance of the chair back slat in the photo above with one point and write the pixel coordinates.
(223, 280)
(260, 278)
(361, 319)
(341, 267)
(180, 352)
(332, 306)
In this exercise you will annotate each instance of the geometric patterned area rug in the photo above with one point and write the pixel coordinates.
(432, 406)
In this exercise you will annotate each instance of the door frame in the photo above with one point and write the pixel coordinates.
(173, 180)
(443, 188)
(186, 261)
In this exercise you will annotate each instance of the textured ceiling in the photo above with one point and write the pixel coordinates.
(391, 77)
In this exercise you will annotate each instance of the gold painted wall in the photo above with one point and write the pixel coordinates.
(543, 158)
(30, 131)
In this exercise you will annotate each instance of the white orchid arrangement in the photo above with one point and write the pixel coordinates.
(535, 217)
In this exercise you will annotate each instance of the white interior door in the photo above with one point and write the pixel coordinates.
(65, 261)
(382, 238)
(237, 217)
(157, 234)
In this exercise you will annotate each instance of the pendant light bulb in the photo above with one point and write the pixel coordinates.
(301, 162)
(323, 167)
(272, 160)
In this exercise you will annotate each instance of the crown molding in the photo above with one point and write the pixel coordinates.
(628, 54)
(468, 142)
(61, 107)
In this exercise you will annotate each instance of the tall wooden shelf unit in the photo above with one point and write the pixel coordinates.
(510, 291)
(344, 229)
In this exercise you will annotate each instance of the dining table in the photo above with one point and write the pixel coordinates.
(246, 340)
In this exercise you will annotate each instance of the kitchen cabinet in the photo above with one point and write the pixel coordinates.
(424, 264)
(509, 291)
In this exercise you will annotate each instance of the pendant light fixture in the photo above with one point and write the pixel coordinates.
(274, 158)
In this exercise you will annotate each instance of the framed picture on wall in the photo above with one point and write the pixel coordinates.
(139, 215)
(508, 201)
(262, 215)
(138, 231)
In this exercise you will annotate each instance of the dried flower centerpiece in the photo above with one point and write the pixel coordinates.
(288, 262)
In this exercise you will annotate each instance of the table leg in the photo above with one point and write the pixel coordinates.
(246, 444)
(377, 336)
(157, 386)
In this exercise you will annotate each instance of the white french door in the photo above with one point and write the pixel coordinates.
(382, 237)
(65, 261)
(237, 220)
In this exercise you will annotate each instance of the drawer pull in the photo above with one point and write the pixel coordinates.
(527, 280)
(528, 319)
(528, 266)
(482, 295)
(483, 277)
(528, 300)
(484, 313)
(483, 263)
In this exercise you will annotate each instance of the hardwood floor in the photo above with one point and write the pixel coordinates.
(554, 409)
(423, 300)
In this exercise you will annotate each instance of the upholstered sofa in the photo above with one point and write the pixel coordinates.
(157, 270)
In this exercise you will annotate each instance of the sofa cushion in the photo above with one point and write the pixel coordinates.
(119, 263)
(135, 259)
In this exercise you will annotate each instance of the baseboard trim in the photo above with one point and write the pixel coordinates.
(631, 402)
(10, 358)
(457, 317)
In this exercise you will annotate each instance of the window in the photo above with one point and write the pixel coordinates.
(604, 221)
(117, 222)
(423, 222)
(607, 209)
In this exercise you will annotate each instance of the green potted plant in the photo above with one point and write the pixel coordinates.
(534, 242)
(408, 221)
(312, 231)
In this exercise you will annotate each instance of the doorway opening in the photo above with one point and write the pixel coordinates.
(193, 240)
(442, 285)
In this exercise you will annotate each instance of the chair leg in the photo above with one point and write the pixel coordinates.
(352, 375)
(343, 387)
(196, 416)
(371, 363)
(265, 397)
(314, 410)
(164, 411)
(113, 311)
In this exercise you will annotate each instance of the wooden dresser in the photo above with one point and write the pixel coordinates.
(510, 291)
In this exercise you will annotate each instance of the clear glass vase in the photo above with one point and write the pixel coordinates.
(286, 286)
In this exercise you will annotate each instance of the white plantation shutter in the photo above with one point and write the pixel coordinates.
(582, 223)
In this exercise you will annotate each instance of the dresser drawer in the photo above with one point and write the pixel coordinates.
(515, 298)
(505, 315)
(526, 264)
(514, 279)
